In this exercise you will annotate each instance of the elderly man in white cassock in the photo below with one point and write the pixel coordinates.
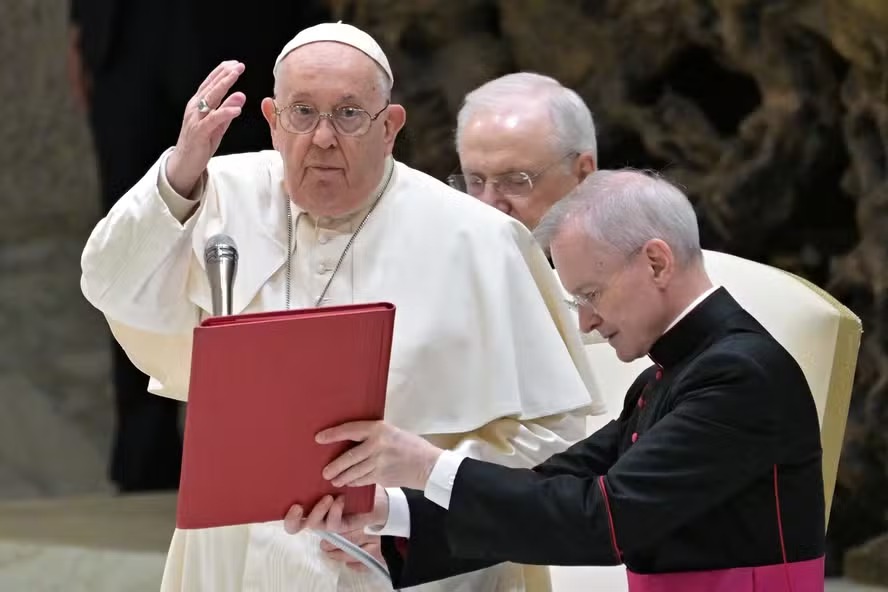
(485, 358)
(524, 142)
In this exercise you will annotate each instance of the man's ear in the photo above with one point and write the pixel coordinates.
(270, 116)
(396, 117)
(585, 165)
(660, 260)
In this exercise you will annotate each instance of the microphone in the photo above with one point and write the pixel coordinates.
(220, 257)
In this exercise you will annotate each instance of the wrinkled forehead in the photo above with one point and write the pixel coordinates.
(328, 67)
(495, 141)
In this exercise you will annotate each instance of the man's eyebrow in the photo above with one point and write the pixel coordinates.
(299, 96)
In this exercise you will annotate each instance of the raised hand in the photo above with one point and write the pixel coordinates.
(207, 117)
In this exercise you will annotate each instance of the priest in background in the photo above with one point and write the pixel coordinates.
(485, 360)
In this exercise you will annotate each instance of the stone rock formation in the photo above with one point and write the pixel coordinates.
(771, 113)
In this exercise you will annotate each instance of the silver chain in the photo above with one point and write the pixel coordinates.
(291, 247)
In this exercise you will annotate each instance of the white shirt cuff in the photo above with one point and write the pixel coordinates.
(180, 207)
(398, 522)
(440, 484)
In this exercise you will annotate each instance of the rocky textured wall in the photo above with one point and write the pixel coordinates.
(772, 113)
(55, 397)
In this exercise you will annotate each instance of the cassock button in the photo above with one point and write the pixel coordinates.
(659, 374)
(634, 437)
(640, 402)
(322, 269)
(323, 239)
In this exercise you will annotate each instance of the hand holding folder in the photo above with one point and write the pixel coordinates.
(262, 385)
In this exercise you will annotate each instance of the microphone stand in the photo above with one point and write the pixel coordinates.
(357, 552)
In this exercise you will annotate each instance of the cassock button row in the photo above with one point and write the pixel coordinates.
(634, 437)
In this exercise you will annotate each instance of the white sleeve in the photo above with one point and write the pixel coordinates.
(439, 487)
(398, 521)
(180, 207)
(136, 262)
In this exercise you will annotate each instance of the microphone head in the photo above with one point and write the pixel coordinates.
(220, 247)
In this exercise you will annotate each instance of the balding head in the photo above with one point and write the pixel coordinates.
(570, 129)
(524, 125)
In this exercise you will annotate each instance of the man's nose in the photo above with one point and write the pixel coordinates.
(324, 136)
(491, 196)
(589, 318)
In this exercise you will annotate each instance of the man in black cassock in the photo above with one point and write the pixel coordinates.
(709, 480)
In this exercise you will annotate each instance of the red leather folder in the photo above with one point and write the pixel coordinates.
(262, 385)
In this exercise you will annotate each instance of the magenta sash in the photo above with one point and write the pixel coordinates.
(800, 576)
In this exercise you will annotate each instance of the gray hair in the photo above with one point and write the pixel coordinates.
(625, 209)
(573, 127)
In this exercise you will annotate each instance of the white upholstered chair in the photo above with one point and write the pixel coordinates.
(816, 329)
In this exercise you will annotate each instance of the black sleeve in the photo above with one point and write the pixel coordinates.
(720, 436)
(427, 540)
(596, 454)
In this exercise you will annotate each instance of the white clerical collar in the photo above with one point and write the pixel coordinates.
(691, 307)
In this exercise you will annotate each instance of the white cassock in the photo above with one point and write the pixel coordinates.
(485, 357)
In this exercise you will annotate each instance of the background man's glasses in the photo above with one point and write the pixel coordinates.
(517, 184)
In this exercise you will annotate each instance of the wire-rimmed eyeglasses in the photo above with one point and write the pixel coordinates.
(300, 118)
(514, 184)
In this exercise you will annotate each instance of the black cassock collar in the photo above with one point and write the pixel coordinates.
(695, 331)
